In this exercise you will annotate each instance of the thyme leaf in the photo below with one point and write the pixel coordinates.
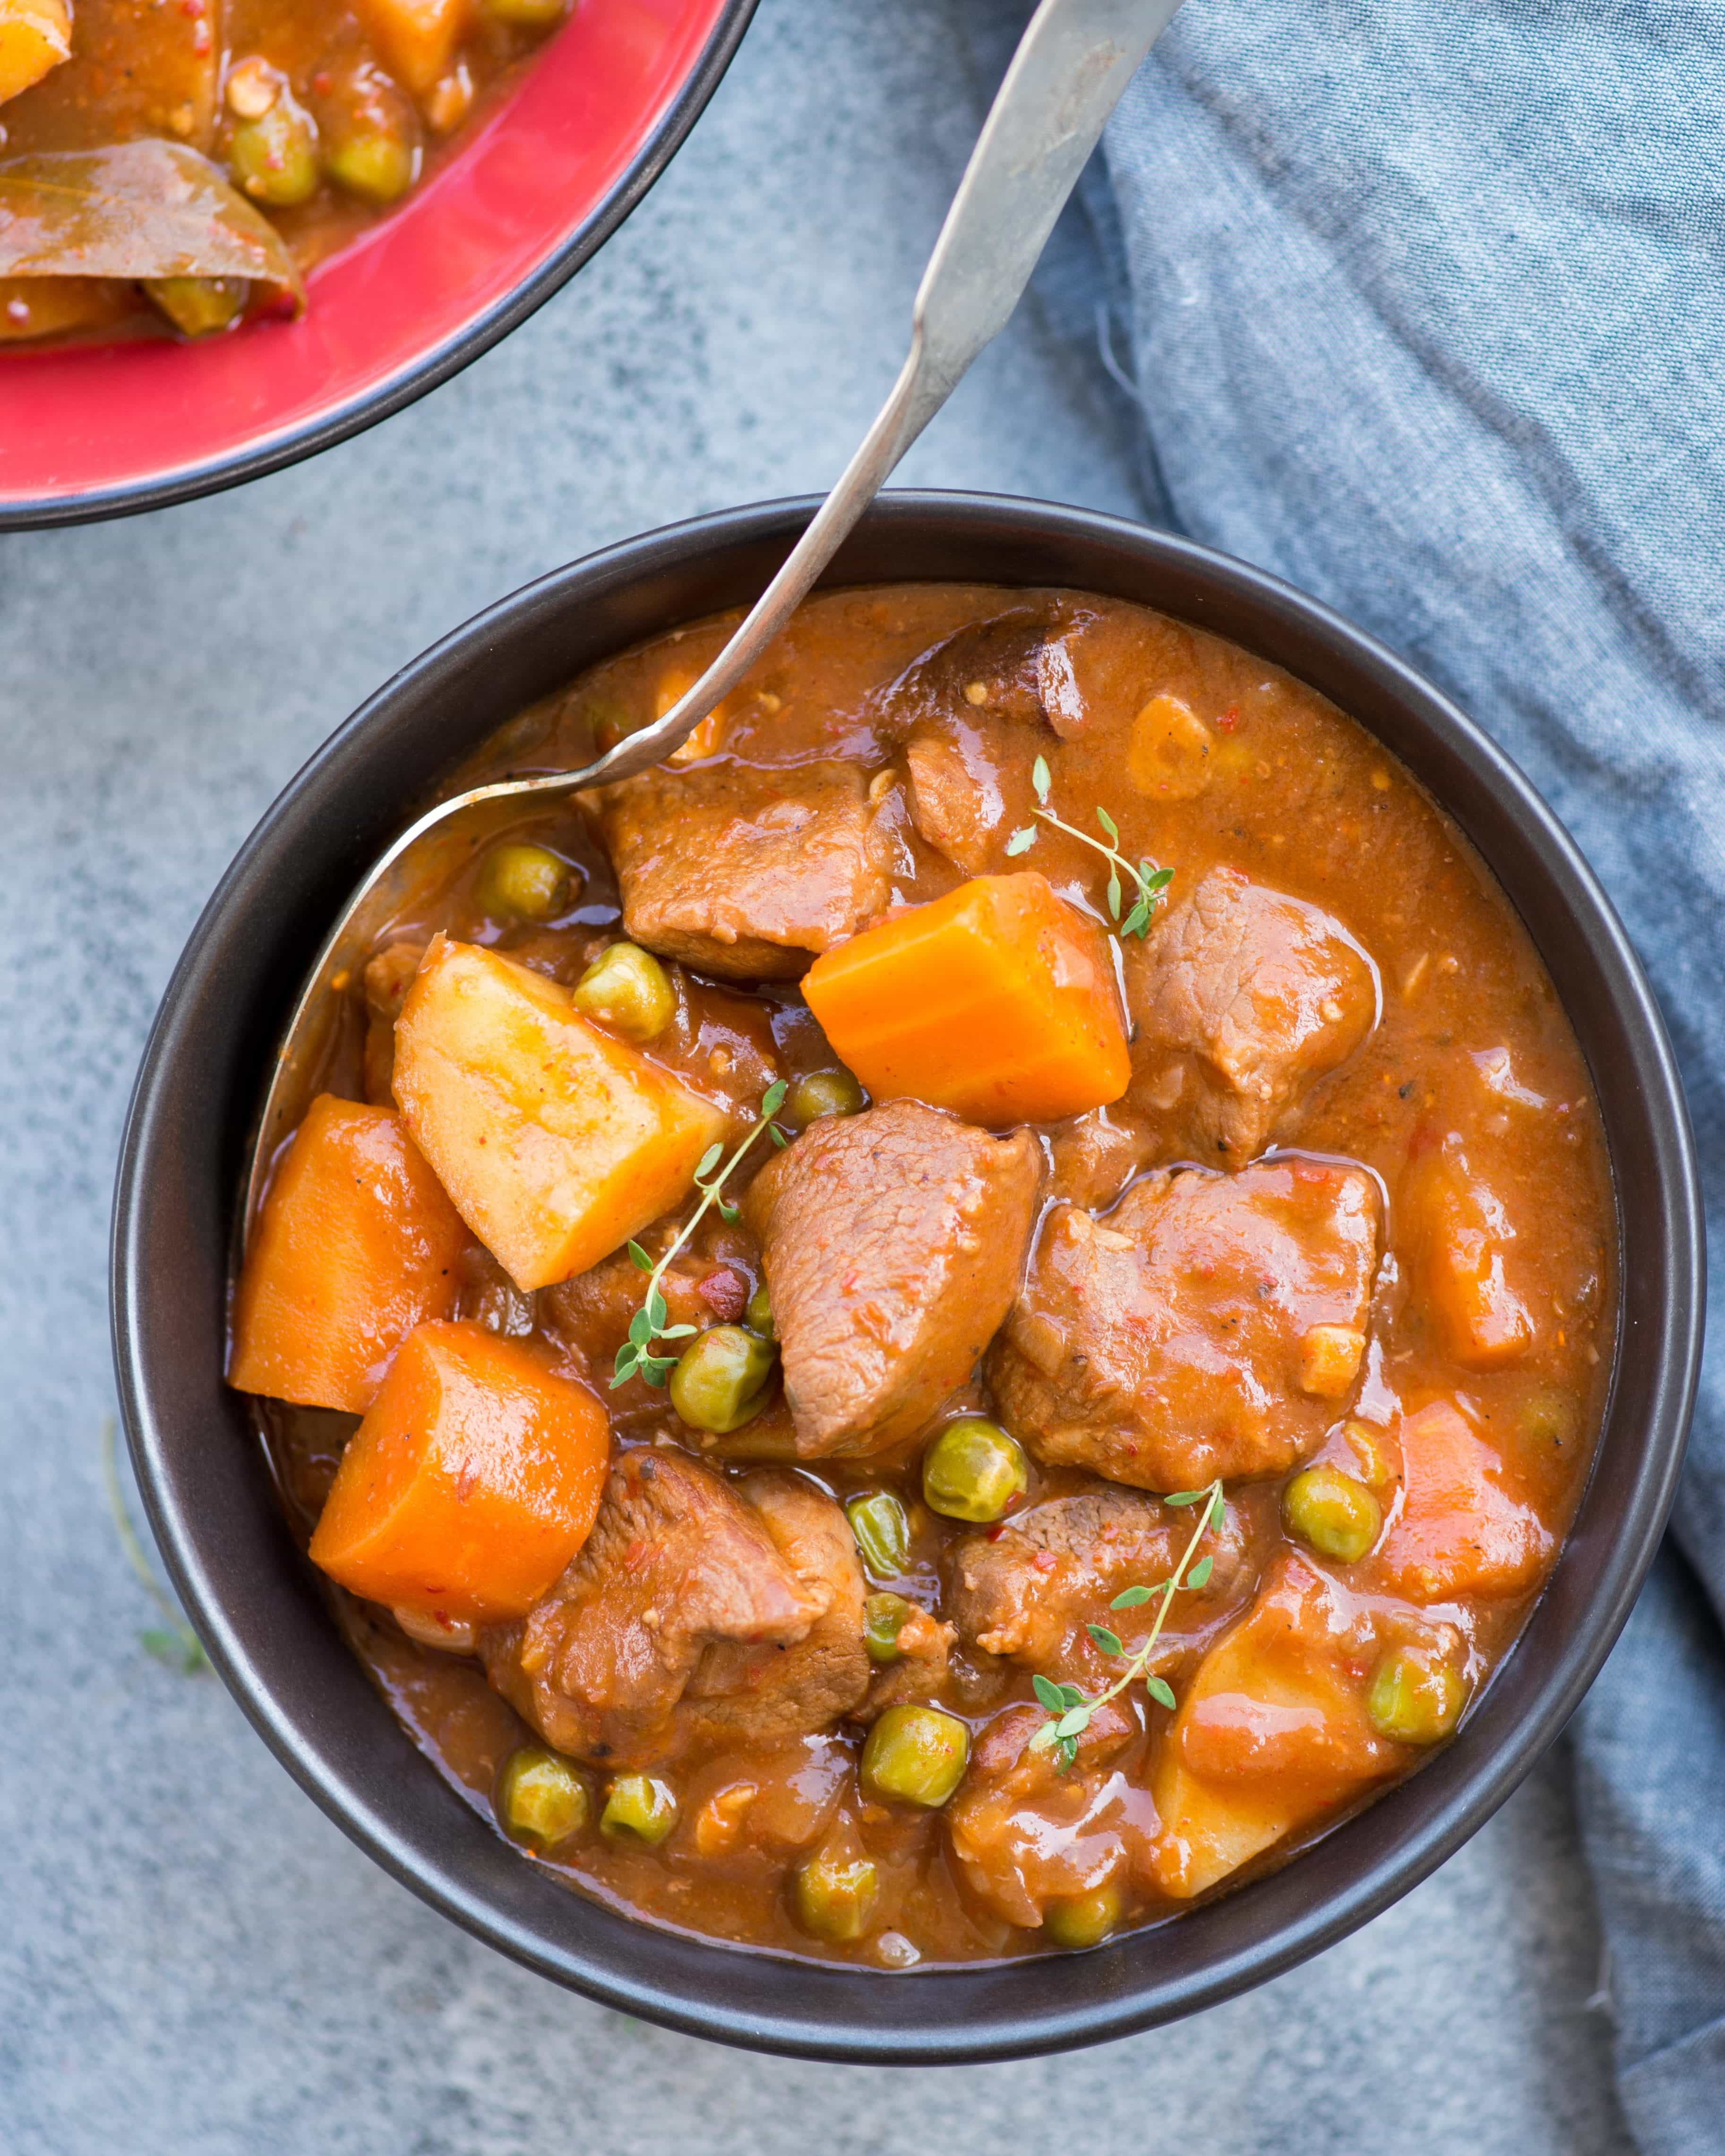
(651, 1324)
(1069, 1710)
(1148, 882)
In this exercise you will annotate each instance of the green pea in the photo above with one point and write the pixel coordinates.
(638, 1807)
(758, 1316)
(627, 989)
(274, 156)
(199, 306)
(1415, 1698)
(376, 158)
(823, 1093)
(541, 1800)
(523, 882)
(721, 1379)
(882, 1529)
(884, 1616)
(834, 1895)
(1547, 1421)
(1337, 1515)
(915, 1755)
(1082, 1920)
(974, 1471)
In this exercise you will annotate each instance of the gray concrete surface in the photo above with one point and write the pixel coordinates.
(192, 1961)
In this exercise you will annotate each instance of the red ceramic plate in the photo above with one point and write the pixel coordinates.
(545, 179)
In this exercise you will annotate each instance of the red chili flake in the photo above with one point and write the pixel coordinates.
(1229, 722)
(848, 1284)
(323, 82)
(724, 1293)
(1043, 1560)
(996, 1532)
(637, 1554)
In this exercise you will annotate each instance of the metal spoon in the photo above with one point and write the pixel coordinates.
(1072, 64)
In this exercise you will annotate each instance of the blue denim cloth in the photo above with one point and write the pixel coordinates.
(1423, 302)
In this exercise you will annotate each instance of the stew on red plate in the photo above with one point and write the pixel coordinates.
(177, 166)
(962, 1315)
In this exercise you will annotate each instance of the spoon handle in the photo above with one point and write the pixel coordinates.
(1072, 64)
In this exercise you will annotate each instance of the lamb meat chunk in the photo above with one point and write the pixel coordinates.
(1210, 1325)
(926, 1646)
(681, 1577)
(1027, 1589)
(893, 1244)
(740, 1694)
(955, 799)
(1242, 997)
(1026, 1833)
(746, 873)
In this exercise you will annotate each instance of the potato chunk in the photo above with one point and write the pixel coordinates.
(555, 1141)
(1272, 1736)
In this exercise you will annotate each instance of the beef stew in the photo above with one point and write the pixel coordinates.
(1038, 1521)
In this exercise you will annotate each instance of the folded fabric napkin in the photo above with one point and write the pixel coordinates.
(1423, 303)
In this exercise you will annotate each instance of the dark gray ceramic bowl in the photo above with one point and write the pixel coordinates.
(251, 1596)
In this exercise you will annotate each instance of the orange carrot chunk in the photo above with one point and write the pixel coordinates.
(355, 1245)
(470, 1485)
(417, 38)
(1461, 1236)
(556, 1141)
(996, 1001)
(1462, 1528)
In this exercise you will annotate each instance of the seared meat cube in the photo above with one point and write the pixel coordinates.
(1169, 1342)
(893, 1243)
(955, 800)
(1027, 1588)
(697, 1611)
(743, 873)
(1025, 1833)
(1242, 997)
(745, 1694)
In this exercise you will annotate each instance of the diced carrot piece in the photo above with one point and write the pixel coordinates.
(470, 1485)
(996, 1001)
(1272, 1734)
(1460, 1232)
(35, 36)
(417, 39)
(556, 1141)
(1460, 1531)
(355, 1245)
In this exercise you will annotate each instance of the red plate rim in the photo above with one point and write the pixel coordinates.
(544, 180)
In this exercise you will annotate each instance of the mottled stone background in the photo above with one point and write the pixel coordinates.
(193, 1962)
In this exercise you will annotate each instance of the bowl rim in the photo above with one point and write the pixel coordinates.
(439, 363)
(997, 2010)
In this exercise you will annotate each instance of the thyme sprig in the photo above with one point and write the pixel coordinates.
(648, 1325)
(173, 1641)
(1148, 881)
(1069, 1708)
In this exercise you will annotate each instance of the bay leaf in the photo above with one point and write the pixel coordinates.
(135, 209)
